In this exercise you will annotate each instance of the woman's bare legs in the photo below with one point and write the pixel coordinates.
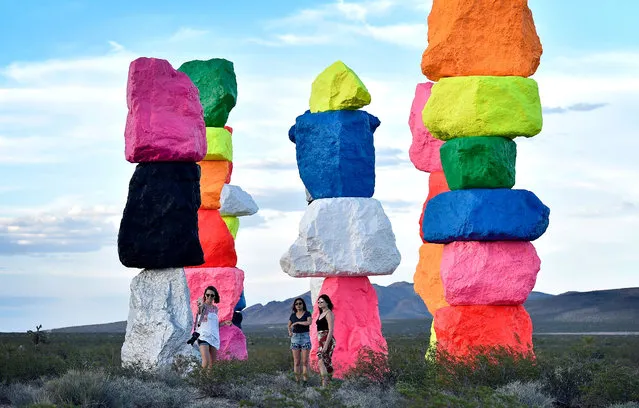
(323, 372)
(304, 355)
(206, 356)
(296, 364)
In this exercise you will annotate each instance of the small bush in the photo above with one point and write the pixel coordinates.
(625, 405)
(529, 394)
(83, 388)
(610, 384)
(566, 382)
(24, 395)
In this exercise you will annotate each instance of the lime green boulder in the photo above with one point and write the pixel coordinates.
(338, 88)
(479, 162)
(232, 223)
(215, 79)
(219, 144)
(505, 106)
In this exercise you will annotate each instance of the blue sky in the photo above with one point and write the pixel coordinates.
(63, 68)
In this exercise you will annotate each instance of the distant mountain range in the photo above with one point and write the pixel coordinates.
(604, 310)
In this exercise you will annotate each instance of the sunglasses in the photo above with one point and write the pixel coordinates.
(210, 295)
(299, 303)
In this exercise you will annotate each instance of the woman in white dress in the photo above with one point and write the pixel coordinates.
(208, 326)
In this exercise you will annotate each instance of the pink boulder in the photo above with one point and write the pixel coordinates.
(358, 327)
(424, 151)
(489, 273)
(229, 283)
(232, 344)
(165, 120)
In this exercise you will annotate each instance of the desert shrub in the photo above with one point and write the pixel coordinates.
(529, 394)
(625, 405)
(372, 366)
(611, 383)
(133, 392)
(83, 388)
(566, 381)
(492, 367)
(25, 395)
(462, 398)
(356, 394)
(214, 382)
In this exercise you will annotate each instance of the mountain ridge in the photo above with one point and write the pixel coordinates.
(603, 310)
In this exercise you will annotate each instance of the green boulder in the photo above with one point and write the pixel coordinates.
(483, 106)
(479, 162)
(215, 79)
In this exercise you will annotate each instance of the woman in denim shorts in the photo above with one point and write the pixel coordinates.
(298, 330)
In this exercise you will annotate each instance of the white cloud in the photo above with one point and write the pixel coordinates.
(343, 21)
(75, 230)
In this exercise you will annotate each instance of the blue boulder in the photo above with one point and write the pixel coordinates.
(484, 215)
(335, 152)
(241, 304)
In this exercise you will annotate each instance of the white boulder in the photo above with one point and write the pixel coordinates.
(316, 286)
(160, 320)
(345, 236)
(236, 202)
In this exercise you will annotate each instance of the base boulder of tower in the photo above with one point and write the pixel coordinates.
(358, 328)
(160, 321)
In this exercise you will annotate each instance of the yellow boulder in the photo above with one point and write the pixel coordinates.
(219, 144)
(338, 88)
(232, 223)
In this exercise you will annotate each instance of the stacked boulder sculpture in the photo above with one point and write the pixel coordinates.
(221, 204)
(165, 135)
(344, 236)
(477, 265)
(180, 211)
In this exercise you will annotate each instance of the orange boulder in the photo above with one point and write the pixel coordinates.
(216, 240)
(427, 279)
(214, 174)
(464, 330)
(481, 37)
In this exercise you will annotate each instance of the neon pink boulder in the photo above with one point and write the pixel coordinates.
(229, 283)
(424, 151)
(165, 120)
(232, 344)
(357, 323)
(489, 273)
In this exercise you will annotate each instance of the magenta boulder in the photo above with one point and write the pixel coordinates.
(165, 120)
(232, 344)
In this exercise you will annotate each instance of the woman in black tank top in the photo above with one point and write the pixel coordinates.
(326, 341)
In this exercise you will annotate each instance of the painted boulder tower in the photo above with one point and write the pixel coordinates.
(165, 135)
(481, 53)
(221, 205)
(344, 236)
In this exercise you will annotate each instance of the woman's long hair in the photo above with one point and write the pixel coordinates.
(329, 304)
(303, 305)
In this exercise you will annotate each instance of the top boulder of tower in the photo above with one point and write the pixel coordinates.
(338, 88)
(481, 37)
(215, 79)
